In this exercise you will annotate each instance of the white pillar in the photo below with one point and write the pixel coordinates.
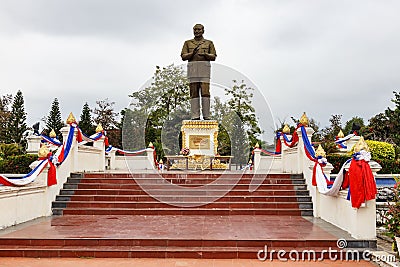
(303, 161)
(150, 156)
(34, 142)
(257, 159)
(102, 156)
(73, 153)
(111, 160)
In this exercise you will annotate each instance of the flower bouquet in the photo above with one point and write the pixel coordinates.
(185, 151)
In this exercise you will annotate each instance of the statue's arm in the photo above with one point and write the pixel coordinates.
(185, 54)
(212, 53)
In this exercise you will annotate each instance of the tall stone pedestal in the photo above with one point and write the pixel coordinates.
(34, 142)
(200, 137)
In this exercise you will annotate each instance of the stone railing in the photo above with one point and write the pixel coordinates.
(144, 161)
(360, 223)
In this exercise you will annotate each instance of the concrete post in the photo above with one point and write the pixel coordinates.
(34, 142)
(102, 157)
(301, 156)
(73, 154)
(150, 156)
(257, 159)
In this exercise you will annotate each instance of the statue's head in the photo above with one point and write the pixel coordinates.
(198, 30)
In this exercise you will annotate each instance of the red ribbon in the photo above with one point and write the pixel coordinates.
(52, 172)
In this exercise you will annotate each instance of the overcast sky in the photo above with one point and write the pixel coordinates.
(322, 57)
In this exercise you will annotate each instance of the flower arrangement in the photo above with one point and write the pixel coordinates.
(392, 216)
(185, 151)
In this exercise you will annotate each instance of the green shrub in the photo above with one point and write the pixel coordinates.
(389, 166)
(397, 151)
(17, 164)
(7, 150)
(379, 150)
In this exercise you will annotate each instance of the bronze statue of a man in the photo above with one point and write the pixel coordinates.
(199, 52)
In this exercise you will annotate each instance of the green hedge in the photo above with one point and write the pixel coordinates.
(337, 161)
(17, 164)
(379, 150)
(388, 166)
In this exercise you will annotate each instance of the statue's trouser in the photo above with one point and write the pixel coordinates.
(197, 89)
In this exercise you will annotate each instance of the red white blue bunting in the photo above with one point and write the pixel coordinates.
(93, 138)
(340, 141)
(269, 153)
(319, 178)
(53, 141)
(292, 142)
(32, 175)
(125, 152)
(51, 161)
(360, 179)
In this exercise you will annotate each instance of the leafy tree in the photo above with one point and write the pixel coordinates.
(356, 121)
(241, 102)
(53, 120)
(104, 113)
(17, 121)
(317, 136)
(385, 126)
(158, 106)
(133, 133)
(239, 140)
(168, 91)
(329, 133)
(5, 113)
(85, 122)
(219, 111)
(171, 137)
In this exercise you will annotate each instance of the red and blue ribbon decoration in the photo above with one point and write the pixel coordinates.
(47, 139)
(310, 153)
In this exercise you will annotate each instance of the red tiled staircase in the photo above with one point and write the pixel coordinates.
(109, 215)
(120, 194)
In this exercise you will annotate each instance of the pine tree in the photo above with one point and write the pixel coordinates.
(53, 120)
(5, 113)
(17, 120)
(85, 122)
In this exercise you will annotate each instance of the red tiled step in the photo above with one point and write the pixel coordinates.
(179, 181)
(259, 192)
(160, 252)
(161, 242)
(181, 211)
(160, 186)
(156, 204)
(183, 176)
(141, 198)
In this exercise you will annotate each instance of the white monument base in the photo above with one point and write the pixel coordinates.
(200, 137)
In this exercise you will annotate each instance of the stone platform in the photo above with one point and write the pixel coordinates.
(110, 215)
(168, 236)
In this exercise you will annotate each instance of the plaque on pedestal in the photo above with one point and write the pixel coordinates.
(200, 136)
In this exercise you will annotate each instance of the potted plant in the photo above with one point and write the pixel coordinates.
(392, 216)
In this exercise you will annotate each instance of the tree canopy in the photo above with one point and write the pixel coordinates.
(17, 120)
(53, 120)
